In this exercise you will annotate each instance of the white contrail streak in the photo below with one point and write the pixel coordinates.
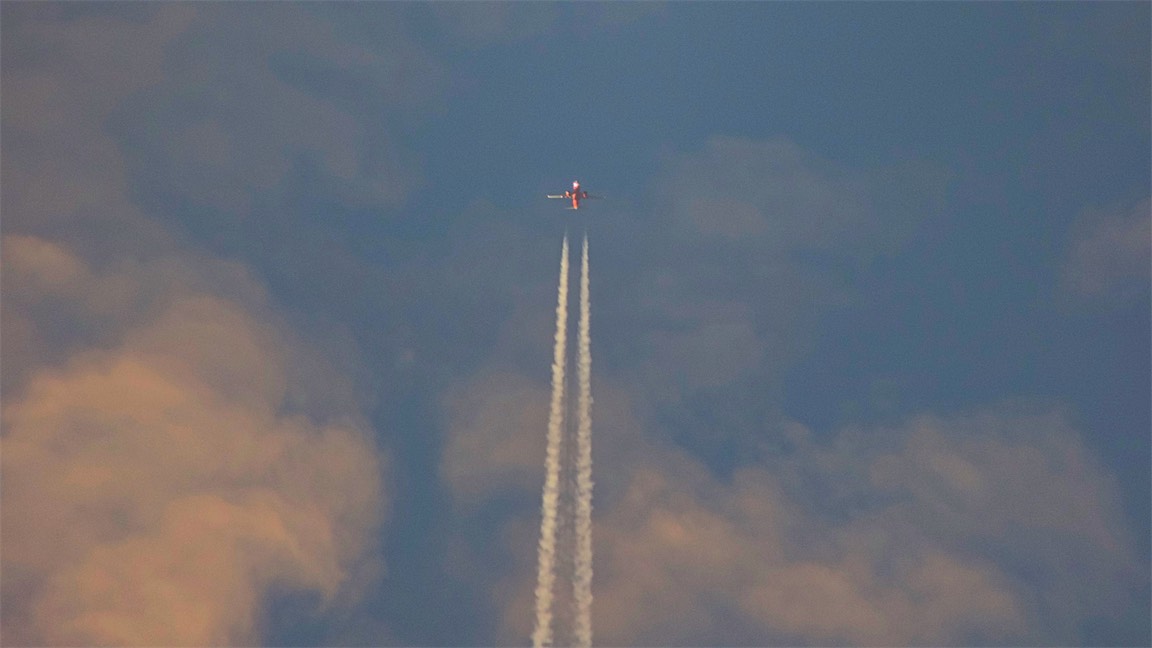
(582, 579)
(546, 566)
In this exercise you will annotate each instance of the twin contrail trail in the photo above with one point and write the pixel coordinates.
(579, 462)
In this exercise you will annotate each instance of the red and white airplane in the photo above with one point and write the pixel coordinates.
(576, 195)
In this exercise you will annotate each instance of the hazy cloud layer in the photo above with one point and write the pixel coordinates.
(994, 528)
(207, 208)
(276, 96)
(489, 421)
(751, 243)
(775, 196)
(484, 23)
(775, 232)
(478, 24)
(154, 491)
(173, 452)
(64, 75)
(1110, 256)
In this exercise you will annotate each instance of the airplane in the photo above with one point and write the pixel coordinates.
(575, 195)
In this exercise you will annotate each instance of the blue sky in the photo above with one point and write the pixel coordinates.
(870, 319)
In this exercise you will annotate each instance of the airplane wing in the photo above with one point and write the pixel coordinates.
(551, 196)
(590, 196)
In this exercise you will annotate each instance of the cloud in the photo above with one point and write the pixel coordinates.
(300, 91)
(723, 303)
(200, 107)
(493, 467)
(270, 135)
(64, 75)
(58, 303)
(1110, 256)
(1113, 41)
(999, 527)
(492, 421)
(780, 197)
(483, 24)
(153, 492)
(996, 528)
(175, 453)
(756, 241)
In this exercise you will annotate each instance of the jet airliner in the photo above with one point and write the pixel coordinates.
(575, 195)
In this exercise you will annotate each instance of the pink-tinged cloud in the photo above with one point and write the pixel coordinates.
(489, 419)
(999, 527)
(156, 488)
(209, 148)
(173, 452)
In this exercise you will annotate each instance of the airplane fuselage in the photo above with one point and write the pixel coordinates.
(576, 194)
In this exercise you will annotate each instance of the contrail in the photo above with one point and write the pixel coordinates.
(566, 508)
(582, 578)
(546, 566)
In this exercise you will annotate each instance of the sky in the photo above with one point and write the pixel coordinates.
(870, 312)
